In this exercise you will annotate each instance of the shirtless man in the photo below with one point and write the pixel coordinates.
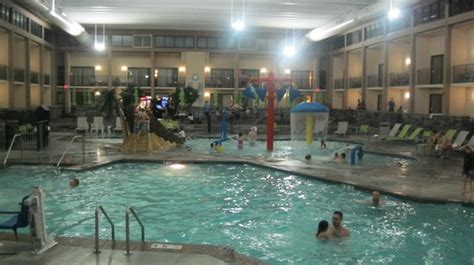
(337, 230)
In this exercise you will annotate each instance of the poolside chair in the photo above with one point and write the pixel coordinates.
(363, 129)
(401, 135)
(409, 138)
(118, 125)
(460, 139)
(450, 134)
(82, 124)
(342, 128)
(98, 125)
(394, 130)
(471, 142)
(15, 221)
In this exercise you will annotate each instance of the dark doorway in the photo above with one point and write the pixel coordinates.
(380, 75)
(436, 103)
(437, 63)
(379, 102)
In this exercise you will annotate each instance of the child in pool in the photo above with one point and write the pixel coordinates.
(323, 228)
(240, 141)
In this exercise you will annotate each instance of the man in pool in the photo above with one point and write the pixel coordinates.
(74, 183)
(375, 198)
(337, 230)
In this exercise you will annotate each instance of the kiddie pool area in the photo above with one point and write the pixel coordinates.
(264, 213)
(297, 150)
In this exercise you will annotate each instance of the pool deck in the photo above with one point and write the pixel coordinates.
(79, 251)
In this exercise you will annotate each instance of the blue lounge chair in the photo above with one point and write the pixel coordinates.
(15, 221)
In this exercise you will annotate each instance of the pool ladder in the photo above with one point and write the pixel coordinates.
(128, 211)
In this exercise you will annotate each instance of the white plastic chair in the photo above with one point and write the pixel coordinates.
(98, 125)
(342, 128)
(460, 139)
(118, 125)
(82, 124)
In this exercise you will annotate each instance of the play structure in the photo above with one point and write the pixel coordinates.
(308, 119)
(268, 88)
(357, 152)
(31, 214)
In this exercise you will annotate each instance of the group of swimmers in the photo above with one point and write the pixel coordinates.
(252, 139)
(340, 158)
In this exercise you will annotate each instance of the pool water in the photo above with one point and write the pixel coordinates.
(295, 150)
(263, 213)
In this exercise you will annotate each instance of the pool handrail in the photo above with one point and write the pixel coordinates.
(67, 149)
(10, 148)
(101, 209)
(127, 228)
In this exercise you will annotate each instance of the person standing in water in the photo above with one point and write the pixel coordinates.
(337, 229)
(323, 228)
(240, 141)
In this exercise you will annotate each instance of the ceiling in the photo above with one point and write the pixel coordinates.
(211, 14)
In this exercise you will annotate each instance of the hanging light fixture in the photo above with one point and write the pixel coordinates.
(393, 12)
(99, 46)
(289, 50)
(238, 24)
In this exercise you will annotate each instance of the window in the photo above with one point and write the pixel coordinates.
(82, 76)
(215, 43)
(401, 23)
(48, 35)
(4, 12)
(354, 37)
(374, 30)
(248, 44)
(430, 12)
(302, 78)
(323, 72)
(221, 78)
(139, 76)
(338, 42)
(122, 41)
(141, 41)
(36, 29)
(246, 75)
(266, 44)
(20, 20)
(457, 7)
(167, 77)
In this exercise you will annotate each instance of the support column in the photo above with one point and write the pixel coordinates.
(52, 78)
(41, 73)
(11, 69)
(447, 68)
(345, 76)
(364, 76)
(28, 71)
(109, 70)
(67, 82)
(314, 82)
(411, 107)
(386, 83)
(152, 74)
(330, 81)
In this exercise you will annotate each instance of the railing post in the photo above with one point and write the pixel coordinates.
(84, 148)
(127, 232)
(96, 250)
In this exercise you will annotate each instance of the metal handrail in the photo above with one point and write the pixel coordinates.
(67, 149)
(127, 228)
(97, 209)
(10, 148)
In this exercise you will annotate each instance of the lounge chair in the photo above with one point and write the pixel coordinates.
(450, 134)
(82, 124)
(394, 130)
(15, 221)
(363, 129)
(118, 125)
(98, 125)
(342, 128)
(471, 142)
(460, 139)
(401, 135)
(410, 138)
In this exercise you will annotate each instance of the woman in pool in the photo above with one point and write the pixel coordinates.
(323, 230)
(240, 141)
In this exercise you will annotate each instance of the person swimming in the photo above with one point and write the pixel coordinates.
(323, 232)
(74, 183)
(337, 229)
(307, 158)
(240, 141)
(375, 198)
(252, 136)
(323, 145)
(336, 156)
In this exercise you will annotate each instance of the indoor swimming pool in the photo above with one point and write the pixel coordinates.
(263, 213)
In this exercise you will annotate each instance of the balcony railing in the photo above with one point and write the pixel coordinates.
(374, 81)
(47, 79)
(339, 83)
(19, 75)
(170, 82)
(429, 76)
(399, 79)
(220, 82)
(139, 81)
(89, 80)
(34, 77)
(3, 72)
(355, 82)
(463, 73)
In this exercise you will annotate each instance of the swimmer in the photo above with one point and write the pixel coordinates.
(375, 198)
(307, 158)
(336, 156)
(240, 141)
(337, 229)
(342, 158)
(252, 136)
(74, 183)
(323, 230)
(323, 145)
